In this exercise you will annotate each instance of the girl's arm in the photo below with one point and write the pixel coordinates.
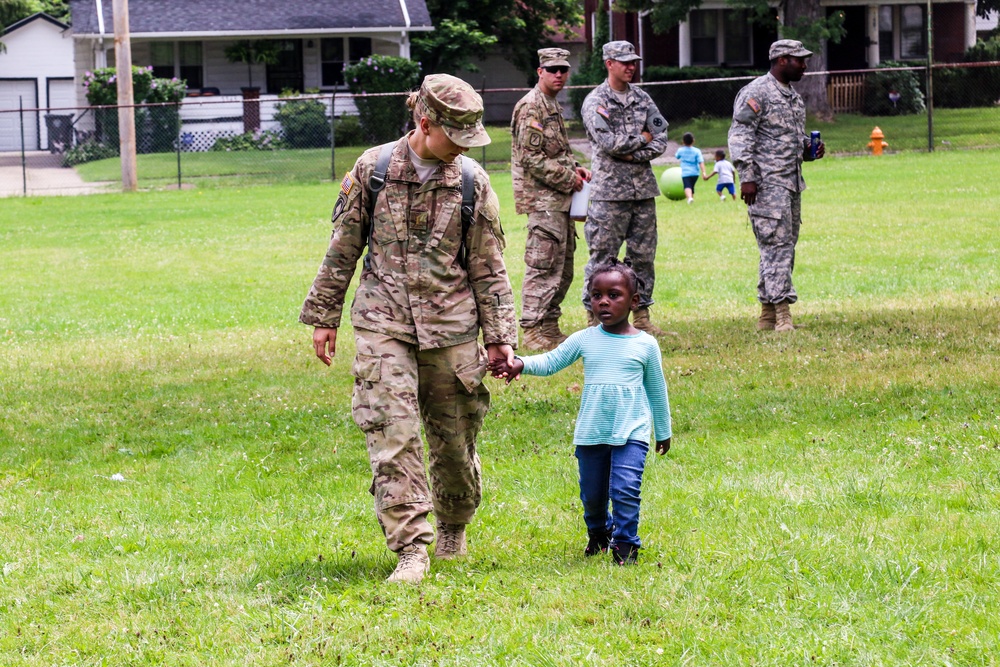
(554, 361)
(656, 392)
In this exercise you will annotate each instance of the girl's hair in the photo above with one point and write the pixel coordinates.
(688, 139)
(416, 105)
(622, 268)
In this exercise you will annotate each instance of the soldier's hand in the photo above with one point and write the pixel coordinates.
(748, 192)
(325, 344)
(820, 150)
(647, 136)
(578, 183)
(583, 173)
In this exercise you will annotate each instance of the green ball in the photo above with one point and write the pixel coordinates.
(671, 184)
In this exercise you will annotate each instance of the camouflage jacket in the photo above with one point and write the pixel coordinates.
(414, 288)
(542, 166)
(615, 132)
(767, 140)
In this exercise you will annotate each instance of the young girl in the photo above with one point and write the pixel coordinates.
(624, 396)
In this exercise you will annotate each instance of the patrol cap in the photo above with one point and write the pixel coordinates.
(553, 57)
(455, 106)
(788, 47)
(620, 50)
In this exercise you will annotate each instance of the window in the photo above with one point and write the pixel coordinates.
(885, 31)
(912, 32)
(161, 57)
(711, 28)
(736, 38)
(177, 59)
(336, 52)
(704, 33)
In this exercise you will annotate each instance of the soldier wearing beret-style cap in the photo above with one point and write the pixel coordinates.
(768, 143)
(419, 308)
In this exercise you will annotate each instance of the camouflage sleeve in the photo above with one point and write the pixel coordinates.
(324, 304)
(559, 172)
(747, 112)
(597, 120)
(487, 271)
(656, 125)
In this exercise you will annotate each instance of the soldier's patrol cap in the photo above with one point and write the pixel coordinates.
(455, 106)
(553, 57)
(788, 47)
(620, 50)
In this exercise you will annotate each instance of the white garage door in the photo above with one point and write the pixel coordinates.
(62, 97)
(11, 93)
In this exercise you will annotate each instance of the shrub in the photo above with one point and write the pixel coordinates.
(591, 71)
(261, 140)
(961, 87)
(88, 151)
(347, 131)
(382, 118)
(906, 83)
(304, 123)
(709, 99)
(156, 127)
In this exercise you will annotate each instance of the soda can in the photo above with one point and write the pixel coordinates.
(814, 143)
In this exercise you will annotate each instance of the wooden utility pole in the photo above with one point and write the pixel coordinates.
(126, 110)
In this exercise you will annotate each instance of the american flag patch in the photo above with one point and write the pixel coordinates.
(752, 103)
(535, 125)
(347, 184)
(603, 112)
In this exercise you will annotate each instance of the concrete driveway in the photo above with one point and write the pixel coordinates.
(44, 175)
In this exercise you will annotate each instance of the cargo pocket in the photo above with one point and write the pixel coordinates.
(471, 375)
(540, 249)
(368, 405)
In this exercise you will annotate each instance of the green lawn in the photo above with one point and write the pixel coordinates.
(181, 482)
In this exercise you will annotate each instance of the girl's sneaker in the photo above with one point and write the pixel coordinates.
(625, 554)
(597, 544)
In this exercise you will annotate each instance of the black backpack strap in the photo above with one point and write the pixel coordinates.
(376, 182)
(468, 205)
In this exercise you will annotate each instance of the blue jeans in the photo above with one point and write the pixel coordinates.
(612, 473)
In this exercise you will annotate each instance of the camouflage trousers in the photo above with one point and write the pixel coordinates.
(397, 387)
(611, 223)
(776, 217)
(548, 271)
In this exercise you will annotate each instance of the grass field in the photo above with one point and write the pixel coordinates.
(181, 482)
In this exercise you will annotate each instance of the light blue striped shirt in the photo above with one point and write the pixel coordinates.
(624, 390)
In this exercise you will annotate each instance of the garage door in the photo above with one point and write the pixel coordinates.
(11, 92)
(62, 99)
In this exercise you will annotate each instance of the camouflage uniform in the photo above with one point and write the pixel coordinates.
(767, 142)
(416, 315)
(543, 171)
(622, 193)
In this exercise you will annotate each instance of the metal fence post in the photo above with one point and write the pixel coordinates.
(177, 108)
(930, 78)
(333, 137)
(24, 160)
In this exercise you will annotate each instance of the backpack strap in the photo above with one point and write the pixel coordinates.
(468, 205)
(376, 182)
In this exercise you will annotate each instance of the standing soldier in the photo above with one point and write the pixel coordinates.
(427, 287)
(545, 174)
(767, 143)
(627, 131)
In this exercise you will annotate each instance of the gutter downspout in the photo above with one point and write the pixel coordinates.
(404, 42)
(101, 59)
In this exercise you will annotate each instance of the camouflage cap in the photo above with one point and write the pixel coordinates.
(788, 47)
(620, 50)
(553, 57)
(455, 106)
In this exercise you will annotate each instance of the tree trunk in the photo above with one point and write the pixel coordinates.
(799, 13)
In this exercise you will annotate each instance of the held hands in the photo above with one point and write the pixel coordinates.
(662, 446)
(511, 370)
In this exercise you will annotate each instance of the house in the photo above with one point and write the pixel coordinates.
(35, 72)
(717, 34)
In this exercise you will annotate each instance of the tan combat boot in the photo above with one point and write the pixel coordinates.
(767, 317)
(450, 541)
(413, 564)
(535, 340)
(641, 321)
(550, 328)
(783, 317)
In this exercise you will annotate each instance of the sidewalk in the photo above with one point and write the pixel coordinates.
(44, 175)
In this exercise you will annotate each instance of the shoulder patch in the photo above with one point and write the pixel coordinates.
(347, 184)
(535, 125)
(603, 111)
(753, 104)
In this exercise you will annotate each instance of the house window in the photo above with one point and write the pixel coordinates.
(704, 33)
(885, 32)
(912, 32)
(736, 38)
(336, 52)
(178, 59)
(715, 28)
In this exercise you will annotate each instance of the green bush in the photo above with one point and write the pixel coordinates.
(347, 131)
(591, 71)
(964, 87)
(261, 140)
(88, 151)
(304, 123)
(382, 118)
(906, 83)
(708, 99)
(156, 127)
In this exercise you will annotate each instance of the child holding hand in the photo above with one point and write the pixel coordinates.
(624, 397)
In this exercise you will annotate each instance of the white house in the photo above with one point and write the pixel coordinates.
(36, 72)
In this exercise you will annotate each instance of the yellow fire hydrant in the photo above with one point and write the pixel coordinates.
(877, 144)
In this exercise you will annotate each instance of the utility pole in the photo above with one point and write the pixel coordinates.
(126, 108)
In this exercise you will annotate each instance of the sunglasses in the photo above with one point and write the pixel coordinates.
(556, 69)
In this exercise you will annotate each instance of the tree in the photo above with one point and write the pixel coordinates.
(465, 30)
(12, 11)
(260, 51)
(805, 20)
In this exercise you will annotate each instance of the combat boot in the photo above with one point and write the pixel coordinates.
(550, 328)
(767, 317)
(641, 321)
(450, 541)
(413, 564)
(535, 340)
(783, 317)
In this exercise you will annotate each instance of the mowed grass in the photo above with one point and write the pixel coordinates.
(181, 482)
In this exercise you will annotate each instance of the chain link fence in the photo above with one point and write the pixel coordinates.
(215, 141)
